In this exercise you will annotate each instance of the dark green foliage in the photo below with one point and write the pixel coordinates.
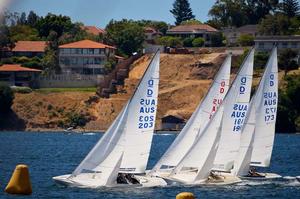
(182, 11)
(191, 22)
(289, 106)
(5, 40)
(286, 60)
(24, 33)
(246, 40)
(237, 13)
(32, 19)
(260, 59)
(127, 35)
(277, 24)
(170, 41)
(188, 42)
(76, 119)
(52, 22)
(110, 64)
(217, 39)
(157, 25)
(290, 8)
(6, 98)
(198, 42)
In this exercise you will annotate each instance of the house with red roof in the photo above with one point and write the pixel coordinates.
(29, 48)
(193, 31)
(84, 57)
(93, 30)
(16, 75)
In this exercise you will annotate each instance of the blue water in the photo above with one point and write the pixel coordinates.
(52, 154)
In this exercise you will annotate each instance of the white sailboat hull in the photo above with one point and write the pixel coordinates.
(87, 180)
(189, 176)
(264, 176)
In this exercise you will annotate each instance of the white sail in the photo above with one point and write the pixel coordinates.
(141, 121)
(235, 109)
(242, 162)
(198, 120)
(202, 154)
(266, 111)
(124, 144)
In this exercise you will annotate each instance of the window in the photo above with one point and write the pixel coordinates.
(97, 60)
(261, 44)
(96, 51)
(294, 44)
(284, 45)
(74, 60)
(84, 51)
(73, 51)
(91, 51)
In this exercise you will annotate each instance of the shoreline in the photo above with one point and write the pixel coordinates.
(82, 131)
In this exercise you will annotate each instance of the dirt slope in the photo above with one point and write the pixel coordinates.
(180, 90)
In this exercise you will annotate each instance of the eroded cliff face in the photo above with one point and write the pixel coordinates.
(184, 80)
(182, 85)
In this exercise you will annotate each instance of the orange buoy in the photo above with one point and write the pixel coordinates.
(185, 195)
(19, 182)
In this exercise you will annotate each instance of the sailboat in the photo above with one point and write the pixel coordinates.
(235, 110)
(123, 151)
(259, 130)
(196, 123)
(195, 167)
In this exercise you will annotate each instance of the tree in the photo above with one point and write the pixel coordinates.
(6, 98)
(246, 40)
(32, 19)
(50, 59)
(126, 34)
(170, 41)
(22, 20)
(52, 22)
(191, 22)
(5, 39)
(160, 26)
(287, 60)
(198, 42)
(237, 13)
(277, 24)
(188, 42)
(290, 8)
(23, 32)
(182, 11)
(217, 39)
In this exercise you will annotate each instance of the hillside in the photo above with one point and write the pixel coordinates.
(182, 86)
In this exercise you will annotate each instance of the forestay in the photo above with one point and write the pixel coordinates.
(127, 142)
(235, 109)
(198, 120)
(266, 111)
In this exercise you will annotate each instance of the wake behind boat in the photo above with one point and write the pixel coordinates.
(121, 155)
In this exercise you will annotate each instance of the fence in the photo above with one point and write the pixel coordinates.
(70, 81)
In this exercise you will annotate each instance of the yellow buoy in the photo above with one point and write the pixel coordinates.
(185, 195)
(19, 182)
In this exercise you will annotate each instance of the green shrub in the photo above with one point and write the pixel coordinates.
(246, 40)
(24, 90)
(188, 42)
(198, 42)
(169, 41)
(6, 98)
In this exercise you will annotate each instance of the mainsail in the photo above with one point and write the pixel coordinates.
(266, 111)
(202, 154)
(198, 120)
(235, 110)
(127, 142)
(251, 128)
